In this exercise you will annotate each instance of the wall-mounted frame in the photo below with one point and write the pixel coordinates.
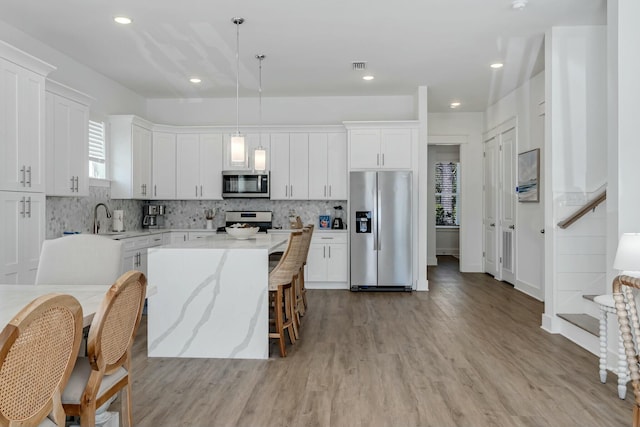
(529, 176)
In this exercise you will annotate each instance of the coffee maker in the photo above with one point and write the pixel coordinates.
(337, 218)
(153, 216)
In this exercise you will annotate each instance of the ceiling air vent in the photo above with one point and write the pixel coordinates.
(359, 65)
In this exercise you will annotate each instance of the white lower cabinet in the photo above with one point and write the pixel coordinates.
(174, 237)
(22, 218)
(135, 252)
(327, 261)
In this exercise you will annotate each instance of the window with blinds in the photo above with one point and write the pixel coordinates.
(447, 195)
(97, 151)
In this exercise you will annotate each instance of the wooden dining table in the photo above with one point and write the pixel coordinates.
(14, 297)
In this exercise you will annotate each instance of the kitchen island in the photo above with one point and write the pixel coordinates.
(212, 297)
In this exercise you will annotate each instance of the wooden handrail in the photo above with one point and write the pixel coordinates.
(584, 210)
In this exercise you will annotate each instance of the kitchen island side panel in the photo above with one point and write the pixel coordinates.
(210, 303)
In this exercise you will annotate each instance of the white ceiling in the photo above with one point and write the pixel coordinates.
(446, 45)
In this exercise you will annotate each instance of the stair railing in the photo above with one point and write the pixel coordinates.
(591, 206)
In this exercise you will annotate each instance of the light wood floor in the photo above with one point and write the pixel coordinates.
(470, 352)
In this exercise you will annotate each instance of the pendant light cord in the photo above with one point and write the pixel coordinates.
(238, 22)
(260, 58)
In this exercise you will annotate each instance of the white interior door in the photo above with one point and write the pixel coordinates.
(508, 205)
(491, 257)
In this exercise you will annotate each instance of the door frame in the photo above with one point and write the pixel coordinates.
(497, 133)
(462, 142)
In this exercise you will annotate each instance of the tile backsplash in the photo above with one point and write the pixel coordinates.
(76, 213)
(190, 213)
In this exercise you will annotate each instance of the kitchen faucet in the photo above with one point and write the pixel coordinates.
(96, 223)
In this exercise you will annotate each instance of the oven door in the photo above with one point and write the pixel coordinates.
(237, 184)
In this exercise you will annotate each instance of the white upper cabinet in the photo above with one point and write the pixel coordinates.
(199, 166)
(66, 140)
(22, 121)
(365, 148)
(290, 166)
(379, 147)
(252, 141)
(328, 166)
(130, 158)
(395, 148)
(164, 165)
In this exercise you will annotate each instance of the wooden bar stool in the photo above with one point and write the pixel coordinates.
(282, 294)
(303, 290)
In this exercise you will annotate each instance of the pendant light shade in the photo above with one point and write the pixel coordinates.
(260, 159)
(260, 153)
(238, 151)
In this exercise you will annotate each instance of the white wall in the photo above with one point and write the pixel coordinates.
(623, 193)
(526, 103)
(110, 97)
(575, 169)
(578, 85)
(625, 69)
(282, 110)
(452, 128)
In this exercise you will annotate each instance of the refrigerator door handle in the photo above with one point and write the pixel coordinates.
(378, 219)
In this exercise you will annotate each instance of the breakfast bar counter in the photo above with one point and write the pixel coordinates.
(212, 297)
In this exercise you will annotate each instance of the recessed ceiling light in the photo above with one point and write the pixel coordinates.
(455, 104)
(195, 80)
(497, 65)
(368, 77)
(519, 4)
(122, 20)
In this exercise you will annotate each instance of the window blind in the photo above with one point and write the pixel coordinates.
(97, 150)
(447, 196)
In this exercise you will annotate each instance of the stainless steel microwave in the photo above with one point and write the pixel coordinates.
(245, 184)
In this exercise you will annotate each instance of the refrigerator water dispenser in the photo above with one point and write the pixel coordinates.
(363, 221)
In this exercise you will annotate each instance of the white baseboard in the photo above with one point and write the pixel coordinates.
(471, 268)
(432, 261)
(549, 324)
(422, 285)
(326, 285)
(530, 290)
(579, 336)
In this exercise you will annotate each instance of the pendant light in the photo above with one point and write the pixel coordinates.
(238, 157)
(260, 153)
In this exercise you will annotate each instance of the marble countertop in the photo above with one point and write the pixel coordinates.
(117, 235)
(270, 242)
(315, 230)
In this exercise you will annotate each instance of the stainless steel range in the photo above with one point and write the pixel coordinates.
(262, 219)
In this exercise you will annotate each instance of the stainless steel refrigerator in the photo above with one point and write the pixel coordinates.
(381, 230)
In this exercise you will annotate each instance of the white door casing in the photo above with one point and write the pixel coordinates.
(508, 200)
(490, 207)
